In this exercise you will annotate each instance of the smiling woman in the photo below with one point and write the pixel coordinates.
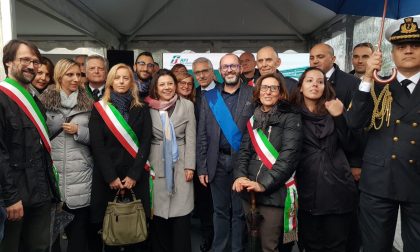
(43, 78)
(173, 135)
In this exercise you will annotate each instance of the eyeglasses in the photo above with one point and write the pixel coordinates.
(142, 63)
(272, 88)
(204, 71)
(233, 67)
(28, 61)
(185, 83)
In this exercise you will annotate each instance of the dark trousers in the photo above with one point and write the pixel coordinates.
(378, 218)
(76, 231)
(31, 233)
(324, 233)
(228, 212)
(170, 235)
(204, 209)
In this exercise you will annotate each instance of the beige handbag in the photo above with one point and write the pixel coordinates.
(124, 222)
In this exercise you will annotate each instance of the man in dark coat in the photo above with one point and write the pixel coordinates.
(268, 61)
(215, 152)
(96, 72)
(203, 71)
(391, 172)
(361, 53)
(250, 74)
(344, 84)
(26, 172)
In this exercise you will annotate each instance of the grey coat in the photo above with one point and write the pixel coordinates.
(182, 201)
(71, 153)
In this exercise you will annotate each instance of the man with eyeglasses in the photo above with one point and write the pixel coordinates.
(96, 71)
(224, 113)
(144, 68)
(268, 61)
(204, 74)
(28, 184)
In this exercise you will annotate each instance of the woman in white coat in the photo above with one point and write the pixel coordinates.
(68, 112)
(172, 155)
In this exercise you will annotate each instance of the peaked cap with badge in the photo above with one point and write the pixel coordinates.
(404, 30)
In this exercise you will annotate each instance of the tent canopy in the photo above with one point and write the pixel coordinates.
(124, 24)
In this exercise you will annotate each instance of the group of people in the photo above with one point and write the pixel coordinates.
(314, 157)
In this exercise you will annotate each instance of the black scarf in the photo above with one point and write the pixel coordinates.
(261, 118)
(320, 125)
(122, 102)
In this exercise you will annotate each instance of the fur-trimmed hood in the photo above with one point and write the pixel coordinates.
(51, 99)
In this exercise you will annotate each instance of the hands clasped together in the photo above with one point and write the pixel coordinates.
(244, 183)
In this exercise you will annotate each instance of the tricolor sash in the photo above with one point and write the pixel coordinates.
(268, 155)
(224, 118)
(125, 135)
(26, 102)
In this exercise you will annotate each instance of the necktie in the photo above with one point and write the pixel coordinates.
(95, 93)
(405, 84)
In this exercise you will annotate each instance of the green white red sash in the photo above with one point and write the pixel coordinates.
(125, 135)
(26, 102)
(268, 155)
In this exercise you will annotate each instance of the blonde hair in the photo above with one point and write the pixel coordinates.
(61, 69)
(110, 81)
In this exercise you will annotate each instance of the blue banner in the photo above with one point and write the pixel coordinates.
(224, 118)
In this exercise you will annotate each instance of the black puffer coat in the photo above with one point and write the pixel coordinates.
(286, 137)
(25, 166)
(324, 181)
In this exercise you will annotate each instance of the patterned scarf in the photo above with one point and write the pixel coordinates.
(122, 102)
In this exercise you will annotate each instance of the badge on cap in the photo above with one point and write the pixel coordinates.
(405, 32)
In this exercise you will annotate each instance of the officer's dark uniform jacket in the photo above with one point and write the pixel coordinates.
(391, 162)
(25, 166)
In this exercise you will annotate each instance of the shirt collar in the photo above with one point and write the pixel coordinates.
(330, 72)
(415, 78)
(101, 88)
(209, 87)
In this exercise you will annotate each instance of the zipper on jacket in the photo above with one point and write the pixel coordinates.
(63, 191)
(259, 170)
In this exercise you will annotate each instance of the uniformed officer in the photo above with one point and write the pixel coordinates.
(391, 163)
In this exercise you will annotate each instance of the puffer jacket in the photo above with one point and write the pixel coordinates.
(286, 137)
(71, 153)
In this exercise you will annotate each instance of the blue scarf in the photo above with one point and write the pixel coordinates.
(170, 150)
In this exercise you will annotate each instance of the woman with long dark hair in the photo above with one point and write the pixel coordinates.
(327, 192)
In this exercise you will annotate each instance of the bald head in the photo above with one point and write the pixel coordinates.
(248, 63)
(267, 60)
(322, 57)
